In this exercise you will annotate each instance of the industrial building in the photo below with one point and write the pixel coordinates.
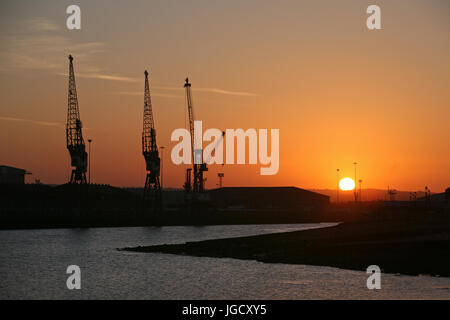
(11, 175)
(290, 198)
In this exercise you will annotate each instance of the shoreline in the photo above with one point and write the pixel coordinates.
(420, 247)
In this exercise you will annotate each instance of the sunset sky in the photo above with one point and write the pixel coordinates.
(338, 92)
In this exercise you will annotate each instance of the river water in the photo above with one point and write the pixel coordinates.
(33, 265)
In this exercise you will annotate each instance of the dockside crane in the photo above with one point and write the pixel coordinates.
(74, 137)
(152, 189)
(197, 185)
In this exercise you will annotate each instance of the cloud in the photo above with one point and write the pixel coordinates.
(43, 51)
(37, 122)
(173, 88)
(101, 76)
(141, 93)
(227, 92)
(41, 123)
(42, 24)
(210, 90)
(108, 77)
(43, 45)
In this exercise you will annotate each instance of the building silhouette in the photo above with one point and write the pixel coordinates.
(11, 175)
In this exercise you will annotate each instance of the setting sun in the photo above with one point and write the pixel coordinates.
(346, 184)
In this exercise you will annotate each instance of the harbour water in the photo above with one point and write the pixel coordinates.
(33, 266)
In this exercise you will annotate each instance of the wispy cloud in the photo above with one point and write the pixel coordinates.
(141, 93)
(227, 92)
(210, 90)
(37, 122)
(42, 45)
(101, 76)
(173, 88)
(108, 77)
(42, 24)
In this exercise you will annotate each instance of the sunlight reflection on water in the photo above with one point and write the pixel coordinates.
(33, 266)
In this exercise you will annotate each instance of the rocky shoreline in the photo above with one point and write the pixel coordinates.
(420, 247)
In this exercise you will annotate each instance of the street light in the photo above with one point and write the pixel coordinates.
(89, 158)
(360, 197)
(356, 199)
(337, 185)
(220, 175)
(162, 165)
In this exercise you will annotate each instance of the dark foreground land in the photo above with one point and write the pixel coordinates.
(407, 246)
(87, 206)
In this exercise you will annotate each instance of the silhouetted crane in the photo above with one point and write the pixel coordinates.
(198, 166)
(152, 189)
(74, 137)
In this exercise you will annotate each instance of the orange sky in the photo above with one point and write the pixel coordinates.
(338, 92)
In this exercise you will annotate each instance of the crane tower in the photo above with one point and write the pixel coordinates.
(198, 166)
(74, 137)
(152, 189)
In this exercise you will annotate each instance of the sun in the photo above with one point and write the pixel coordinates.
(346, 184)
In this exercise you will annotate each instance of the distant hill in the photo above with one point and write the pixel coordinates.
(367, 195)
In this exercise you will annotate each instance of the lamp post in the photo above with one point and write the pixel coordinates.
(360, 194)
(89, 162)
(162, 165)
(220, 175)
(337, 186)
(356, 199)
(427, 194)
